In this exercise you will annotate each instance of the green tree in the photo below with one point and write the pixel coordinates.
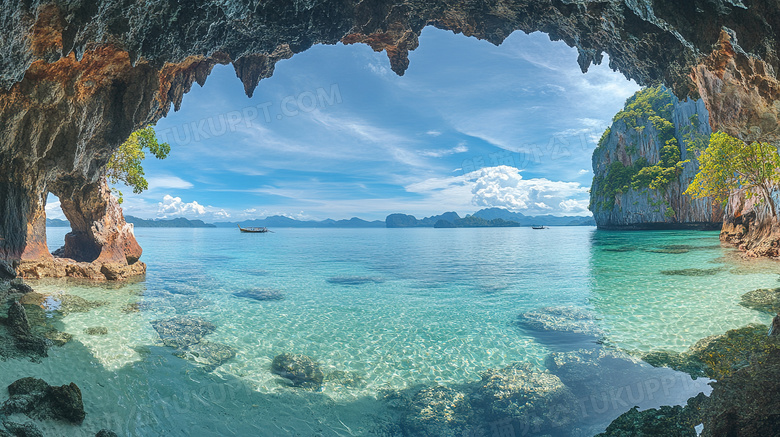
(729, 164)
(125, 165)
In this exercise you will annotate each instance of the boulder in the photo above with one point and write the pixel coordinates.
(301, 370)
(37, 399)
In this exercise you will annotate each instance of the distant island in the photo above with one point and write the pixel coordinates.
(485, 218)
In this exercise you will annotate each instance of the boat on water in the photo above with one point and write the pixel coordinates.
(253, 230)
(539, 227)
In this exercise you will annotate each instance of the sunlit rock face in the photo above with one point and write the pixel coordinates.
(641, 143)
(77, 77)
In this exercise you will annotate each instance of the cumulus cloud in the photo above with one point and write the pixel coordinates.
(54, 209)
(172, 207)
(504, 187)
(583, 171)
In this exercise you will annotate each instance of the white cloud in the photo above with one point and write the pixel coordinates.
(433, 133)
(574, 206)
(172, 207)
(175, 207)
(504, 187)
(583, 171)
(161, 182)
(438, 153)
(54, 209)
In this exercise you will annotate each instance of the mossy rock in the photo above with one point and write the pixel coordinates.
(719, 356)
(766, 300)
(302, 371)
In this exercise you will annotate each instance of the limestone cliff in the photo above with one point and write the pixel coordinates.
(633, 147)
(77, 77)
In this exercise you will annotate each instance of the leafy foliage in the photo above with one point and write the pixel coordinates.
(729, 164)
(125, 165)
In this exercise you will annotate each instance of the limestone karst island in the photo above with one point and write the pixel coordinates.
(537, 218)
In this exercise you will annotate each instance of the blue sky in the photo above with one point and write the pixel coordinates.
(334, 133)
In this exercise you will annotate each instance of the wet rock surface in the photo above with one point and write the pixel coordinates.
(301, 370)
(37, 399)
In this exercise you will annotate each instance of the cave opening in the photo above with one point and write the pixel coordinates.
(334, 134)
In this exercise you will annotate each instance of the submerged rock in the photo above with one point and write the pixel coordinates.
(13, 429)
(437, 411)
(301, 370)
(61, 302)
(208, 353)
(58, 338)
(96, 330)
(260, 294)
(106, 433)
(766, 300)
(354, 280)
(561, 327)
(37, 399)
(185, 334)
(535, 400)
(182, 331)
(589, 370)
(693, 272)
(345, 378)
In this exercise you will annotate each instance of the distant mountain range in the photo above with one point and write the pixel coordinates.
(491, 217)
(278, 221)
(180, 222)
(487, 216)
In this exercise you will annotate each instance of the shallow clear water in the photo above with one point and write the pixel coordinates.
(397, 307)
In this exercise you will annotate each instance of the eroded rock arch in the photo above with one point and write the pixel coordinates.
(78, 77)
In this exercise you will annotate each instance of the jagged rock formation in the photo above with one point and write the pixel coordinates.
(620, 197)
(77, 78)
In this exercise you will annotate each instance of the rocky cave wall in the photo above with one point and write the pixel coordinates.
(77, 77)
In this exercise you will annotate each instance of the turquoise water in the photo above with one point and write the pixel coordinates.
(396, 307)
